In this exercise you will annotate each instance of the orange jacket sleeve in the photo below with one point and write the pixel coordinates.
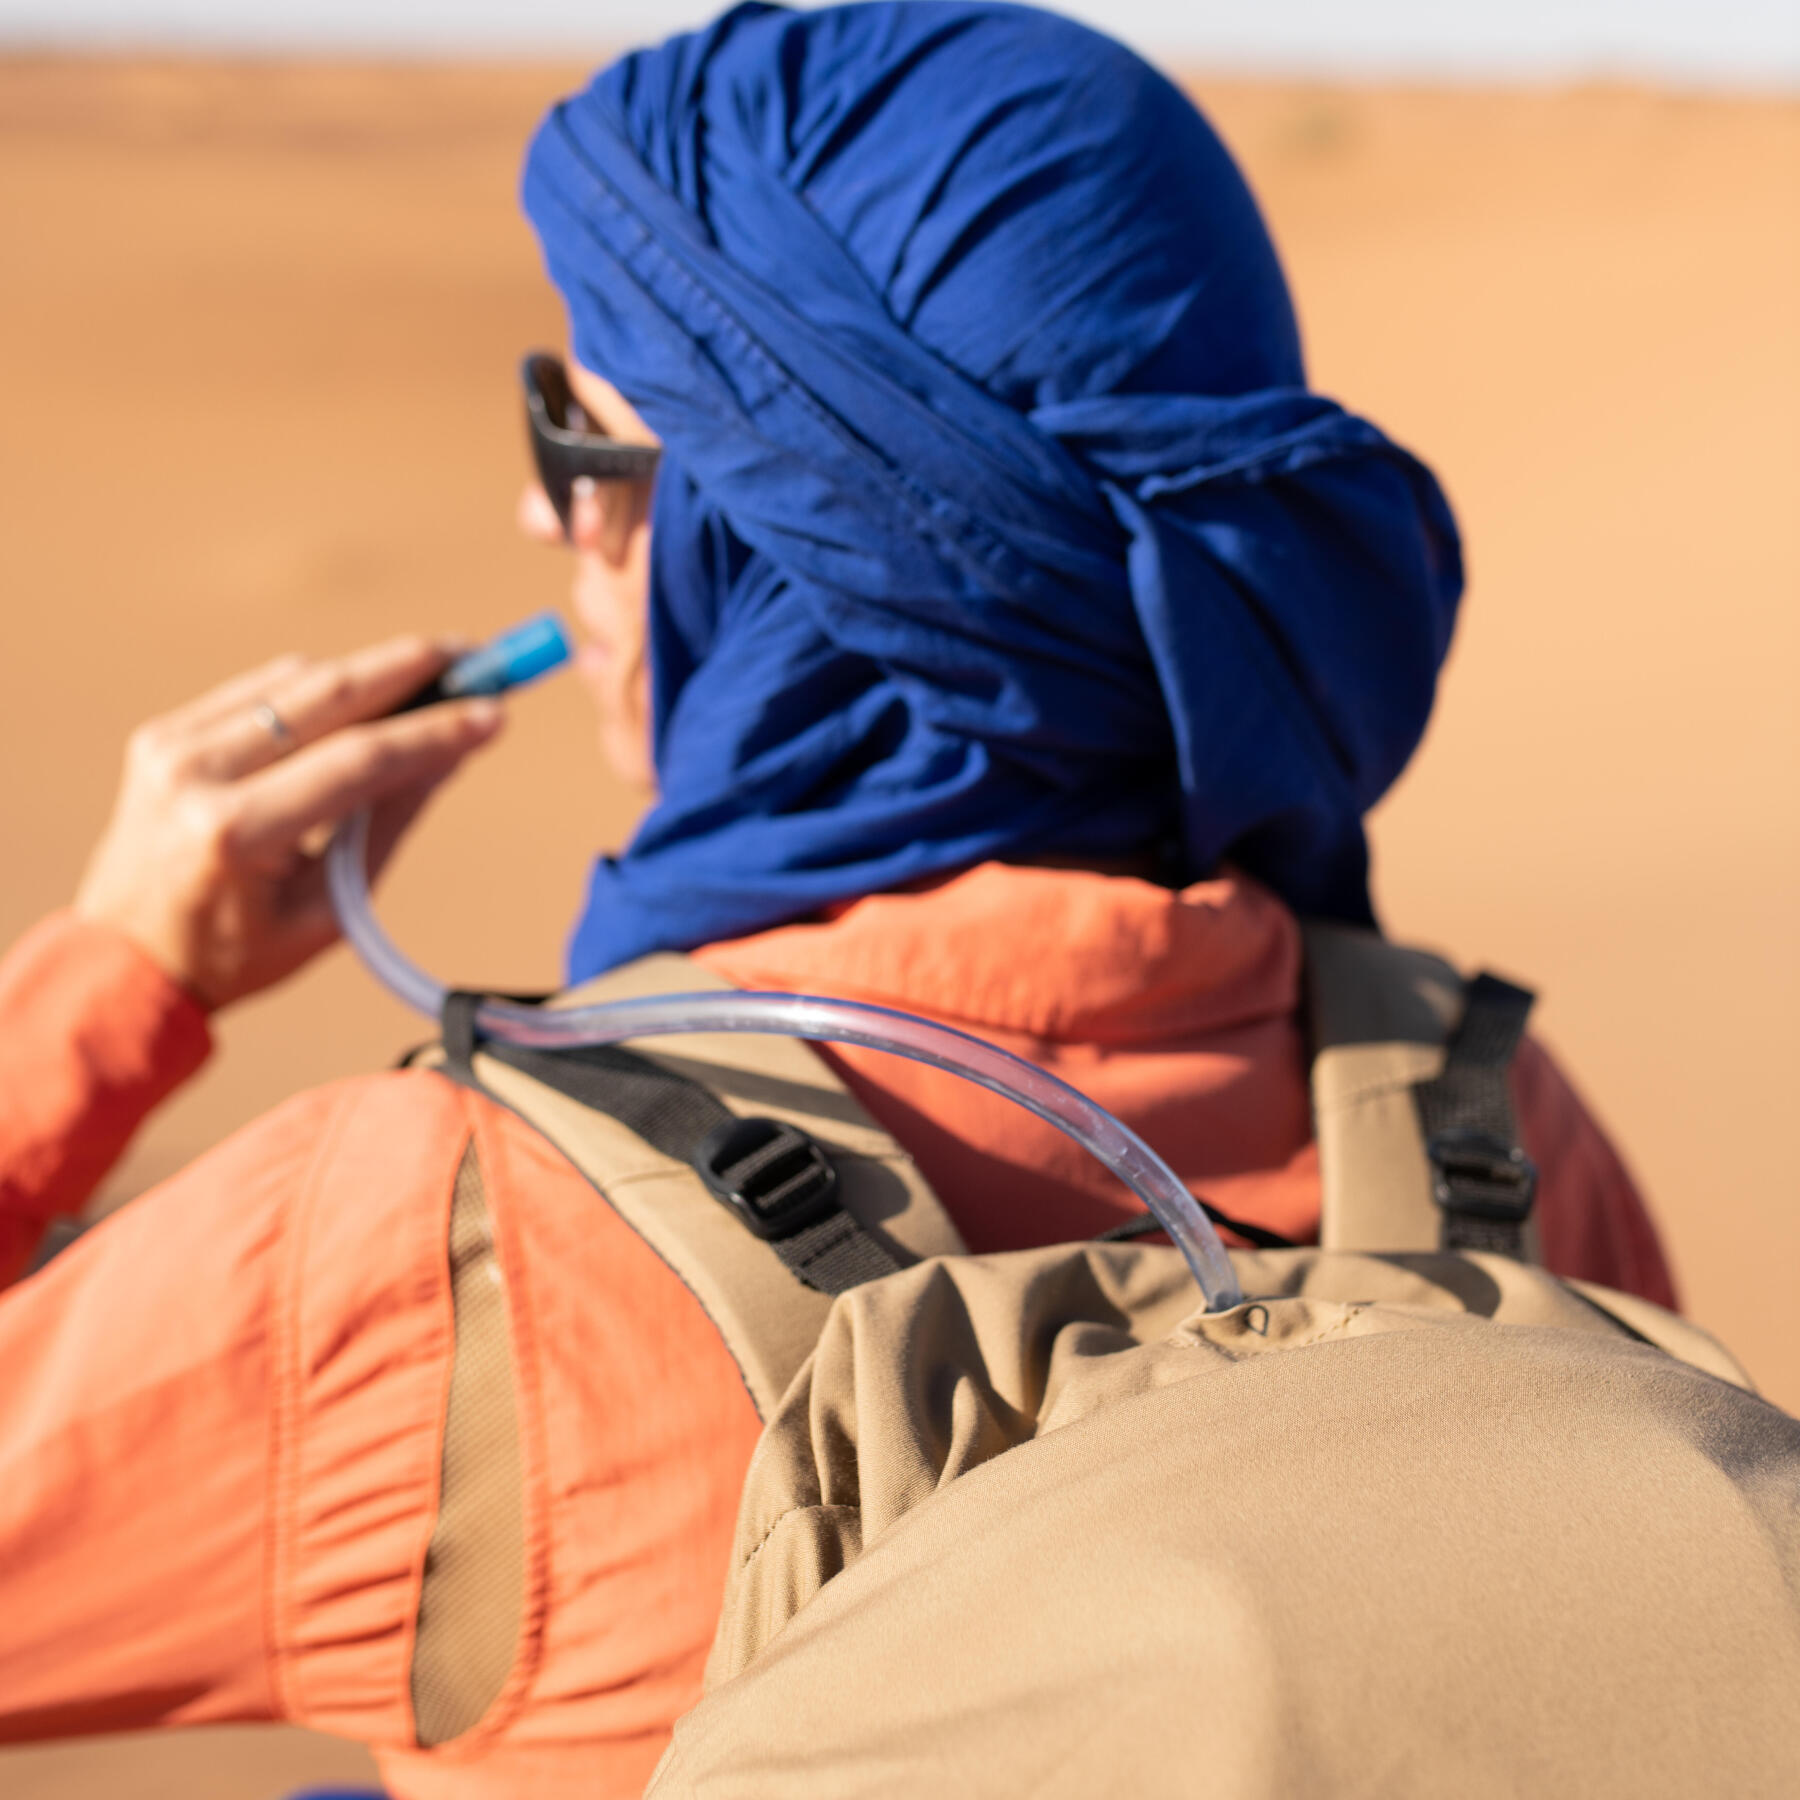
(92, 1036)
(1592, 1222)
(221, 1440)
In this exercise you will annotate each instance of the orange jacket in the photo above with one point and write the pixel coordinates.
(220, 1423)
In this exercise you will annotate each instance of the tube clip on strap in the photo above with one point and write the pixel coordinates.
(1481, 1178)
(458, 1032)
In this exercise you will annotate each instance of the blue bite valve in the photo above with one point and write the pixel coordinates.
(515, 657)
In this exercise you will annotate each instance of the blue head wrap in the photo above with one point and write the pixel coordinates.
(995, 518)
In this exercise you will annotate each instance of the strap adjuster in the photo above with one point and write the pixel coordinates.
(773, 1176)
(1477, 1175)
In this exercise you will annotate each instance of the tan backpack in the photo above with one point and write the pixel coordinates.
(1412, 1519)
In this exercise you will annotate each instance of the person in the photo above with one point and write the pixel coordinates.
(1010, 637)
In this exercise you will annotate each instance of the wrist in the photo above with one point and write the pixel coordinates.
(95, 1035)
(103, 988)
(149, 941)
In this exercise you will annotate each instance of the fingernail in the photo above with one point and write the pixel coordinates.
(484, 715)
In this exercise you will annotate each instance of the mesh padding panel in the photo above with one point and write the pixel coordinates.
(473, 1593)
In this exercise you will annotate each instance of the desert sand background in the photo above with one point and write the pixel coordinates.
(257, 333)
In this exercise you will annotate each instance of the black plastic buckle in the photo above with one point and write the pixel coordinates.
(1480, 1176)
(773, 1176)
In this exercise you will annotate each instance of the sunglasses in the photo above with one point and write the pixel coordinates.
(565, 445)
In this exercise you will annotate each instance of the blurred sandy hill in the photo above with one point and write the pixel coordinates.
(257, 335)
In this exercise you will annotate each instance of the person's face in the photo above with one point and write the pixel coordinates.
(609, 531)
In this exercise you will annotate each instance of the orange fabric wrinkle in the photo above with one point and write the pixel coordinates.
(134, 1425)
(365, 1356)
(1132, 961)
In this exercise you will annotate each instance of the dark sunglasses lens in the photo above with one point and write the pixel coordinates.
(547, 381)
(547, 404)
(565, 444)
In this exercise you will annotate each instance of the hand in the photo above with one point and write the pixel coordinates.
(213, 861)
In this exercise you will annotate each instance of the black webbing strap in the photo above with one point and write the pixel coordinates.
(1146, 1224)
(772, 1177)
(835, 1254)
(1480, 1177)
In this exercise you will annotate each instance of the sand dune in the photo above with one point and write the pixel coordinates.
(257, 330)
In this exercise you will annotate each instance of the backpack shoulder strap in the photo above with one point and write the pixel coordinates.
(1417, 1145)
(767, 1314)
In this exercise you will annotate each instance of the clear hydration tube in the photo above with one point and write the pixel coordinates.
(798, 1016)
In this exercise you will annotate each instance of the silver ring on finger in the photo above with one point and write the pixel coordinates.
(274, 724)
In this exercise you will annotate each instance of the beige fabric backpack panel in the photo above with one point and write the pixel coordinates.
(1026, 1526)
(927, 1375)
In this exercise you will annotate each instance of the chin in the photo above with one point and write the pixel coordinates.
(625, 759)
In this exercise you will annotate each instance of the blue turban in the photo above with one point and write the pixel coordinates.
(995, 518)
